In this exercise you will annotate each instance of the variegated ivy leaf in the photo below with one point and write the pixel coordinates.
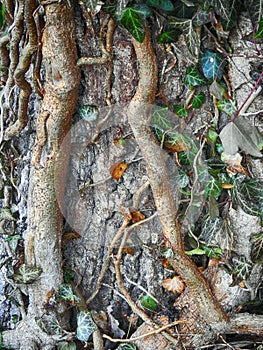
(198, 100)
(85, 326)
(26, 274)
(134, 22)
(213, 65)
(65, 293)
(226, 106)
(88, 113)
(64, 345)
(5, 214)
(193, 77)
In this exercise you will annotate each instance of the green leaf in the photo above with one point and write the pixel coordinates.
(212, 135)
(165, 5)
(68, 275)
(65, 293)
(196, 251)
(88, 112)
(193, 77)
(169, 36)
(259, 33)
(160, 122)
(148, 303)
(211, 229)
(2, 15)
(64, 345)
(13, 241)
(134, 22)
(213, 187)
(213, 65)
(240, 134)
(126, 346)
(180, 110)
(85, 326)
(242, 268)
(249, 195)
(143, 9)
(198, 100)
(226, 106)
(185, 10)
(212, 252)
(5, 214)
(26, 274)
(257, 250)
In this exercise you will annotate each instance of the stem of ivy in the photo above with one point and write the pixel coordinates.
(254, 88)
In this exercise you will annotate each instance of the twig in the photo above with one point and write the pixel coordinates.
(156, 331)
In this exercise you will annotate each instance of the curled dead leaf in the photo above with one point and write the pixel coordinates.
(136, 216)
(117, 170)
(175, 285)
(175, 147)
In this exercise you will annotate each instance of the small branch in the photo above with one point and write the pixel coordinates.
(156, 331)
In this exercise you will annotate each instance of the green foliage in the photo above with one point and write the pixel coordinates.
(6, 214)
(241, 268)
(13, 241)
(88, 113)
(134, 22)
(148, 303)
(213, 187)
(226, 106)
(65, 293)
(208, 251)
(198, 100)
(169, 36)
(64, 345)
(248, 193)
(257, 251)
(68, 275)
(85, 326)
(212, 135)
(193, 77)
(2, 15)
(213, 65)
(180, 110)
(26, 274)
(259, 33)
(165, 5)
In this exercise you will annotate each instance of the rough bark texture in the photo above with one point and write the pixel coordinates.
(96, 213)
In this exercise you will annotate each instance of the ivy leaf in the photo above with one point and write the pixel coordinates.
(259, 33)
(198, 100)
(213, 187)
(249, 195)
(13, 241)
(64, 345)
(148, 303)
(193, 77)
(242, 268)
(88, 112)
(211, 229)
(2, 15)
(26, 274)
(134, 22)
(180, 110)
(143, 9)
(212, 135)
(85, 326)
(65, 293)
(257, 250)
(165, 5)
(94, 6)
(240, 135)
(226, 106)
(5, 214)
(213, 65)
(196, 251)
(169, 36)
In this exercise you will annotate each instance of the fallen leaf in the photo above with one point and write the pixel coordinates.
(175, 285)
(213, 262)
(117, 170)
(136, 216)
(175, 147)
(241, 135)
(233, 164)
(128, 250)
